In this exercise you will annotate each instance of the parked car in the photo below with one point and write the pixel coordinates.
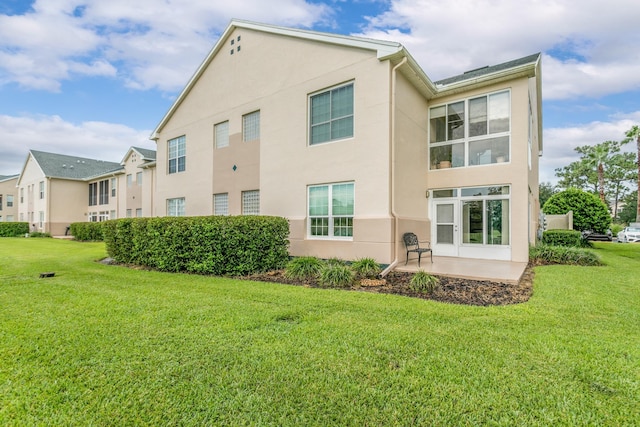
(603, 237)
(629, 234)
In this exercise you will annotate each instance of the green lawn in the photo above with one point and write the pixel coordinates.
(106, 345)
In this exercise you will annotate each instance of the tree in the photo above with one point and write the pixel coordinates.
(589, 212)
(622, 169)
(632, 133)
(577, 175)
(628, 213)
(596, 156)
(547, 190)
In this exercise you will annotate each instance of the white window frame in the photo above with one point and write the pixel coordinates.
(221, 134)
(221, 204)
(129, 180)
(331, 119)
(251, 202)
(113, 187)
(41, 188)
(177, 153)
(330, 217)
(9, 200)
(465, 140)
(251, 126)
(139, 178)
(176, 206)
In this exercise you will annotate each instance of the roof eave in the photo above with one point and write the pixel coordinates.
(522, 71)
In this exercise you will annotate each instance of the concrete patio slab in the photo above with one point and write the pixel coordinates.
(468, 268)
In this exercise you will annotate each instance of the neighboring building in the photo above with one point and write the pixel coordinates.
(56, 190)
(350, 140)
(8, 198)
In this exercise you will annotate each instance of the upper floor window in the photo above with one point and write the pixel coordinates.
(331, 115)
(41, 186)
(0, 202)
(129, 180)
(93, 194)
(251, 202)
(331, 209)
(175, 207)
(470, 132)
(104, 192)
(251, 126)
(9, 200)
(21, 194)
(221, 134)
(139, 178)
(113, 187)
(177, 154)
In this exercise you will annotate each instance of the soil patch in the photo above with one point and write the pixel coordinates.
(451, 290)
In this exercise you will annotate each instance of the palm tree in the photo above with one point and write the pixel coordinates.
(632, 133)
(597, 156)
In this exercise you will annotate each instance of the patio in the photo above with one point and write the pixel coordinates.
(467, 268)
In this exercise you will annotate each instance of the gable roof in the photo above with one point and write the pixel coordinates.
(72, 167)
(145, 154)
(394, 52)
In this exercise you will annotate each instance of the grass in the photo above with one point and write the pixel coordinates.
(106, 345)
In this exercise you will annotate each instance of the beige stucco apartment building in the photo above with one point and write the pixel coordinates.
(351, 141)
(55, 190)
(8, 193)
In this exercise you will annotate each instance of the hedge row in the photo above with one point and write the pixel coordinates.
(571, 238)
(13, 229)
(87, 231)
(219, 245)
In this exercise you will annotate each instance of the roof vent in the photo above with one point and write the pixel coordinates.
(476, 69)
(71, 167)
(64, 166)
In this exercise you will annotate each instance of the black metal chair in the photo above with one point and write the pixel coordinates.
(413, 245)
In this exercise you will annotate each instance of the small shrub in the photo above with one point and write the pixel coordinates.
(336, 276)
(304, 268)
(39, 234)
(546, 254)
(366, 268)
(570, 238)
(335, 261)
(423, 282)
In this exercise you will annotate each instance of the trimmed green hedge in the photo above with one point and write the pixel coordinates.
(547, 254)
(87, 231)
(219, 245)
(570, 238)
(13, 229)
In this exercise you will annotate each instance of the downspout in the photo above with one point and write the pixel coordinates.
(392, 168)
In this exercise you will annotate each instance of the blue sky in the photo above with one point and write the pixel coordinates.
(94, 77)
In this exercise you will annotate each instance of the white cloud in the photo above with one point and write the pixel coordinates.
(560, 143)
(147, 45)
(591, 48)
(95, 140)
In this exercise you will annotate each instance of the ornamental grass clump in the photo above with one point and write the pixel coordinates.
(336, 276)
(304, 268)
(424, 283)
(547, 254)
(366, 268)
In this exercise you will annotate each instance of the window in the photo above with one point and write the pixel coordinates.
(128, 213)
(251, 202)
(113, 187)
(331, 210)
(129, 180)
(139, 213)
(9, 218)
(112, 215)
(221, 134)
(9, 200)
(22, 195)
(41, 219)
(139, 178)
(177, 154)
(251, 126)
(331, 115)
(221, 204)
(93, 194)
(41, 186)
(175, 207)
(0, 202)
(485, 215)
(104, 192)
(470, 132)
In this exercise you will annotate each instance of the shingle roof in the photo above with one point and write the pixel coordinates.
(8, 177)
(147, 154)
(72, 167)
(479, 72)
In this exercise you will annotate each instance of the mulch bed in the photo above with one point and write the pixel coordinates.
(451, 290)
